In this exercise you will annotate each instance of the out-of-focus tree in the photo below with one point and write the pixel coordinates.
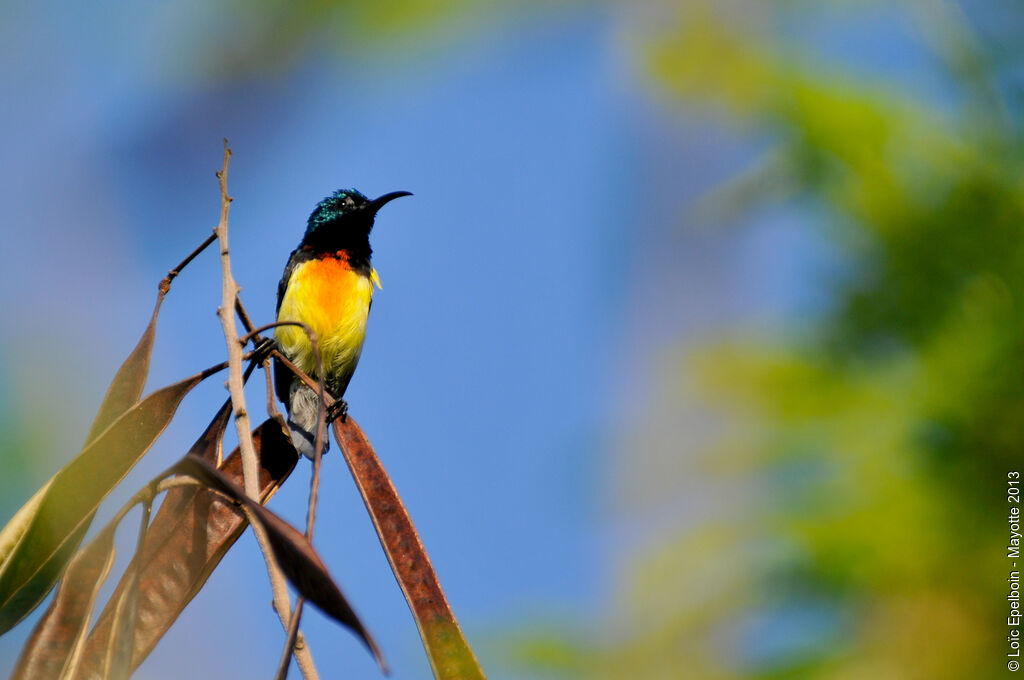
(867, 448)
(240, 39)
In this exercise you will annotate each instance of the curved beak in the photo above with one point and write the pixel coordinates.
(378, 203)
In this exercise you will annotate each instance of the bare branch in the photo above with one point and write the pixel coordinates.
(250, 462)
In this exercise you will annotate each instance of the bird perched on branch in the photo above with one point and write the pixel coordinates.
(328, 286)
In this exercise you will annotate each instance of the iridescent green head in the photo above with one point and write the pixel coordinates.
(346, 213)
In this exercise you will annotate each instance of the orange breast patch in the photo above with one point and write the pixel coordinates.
(333, 300)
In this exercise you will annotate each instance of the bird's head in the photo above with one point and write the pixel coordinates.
(344, 219)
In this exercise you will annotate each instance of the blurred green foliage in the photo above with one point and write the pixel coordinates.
(241, 39)
(868, 449)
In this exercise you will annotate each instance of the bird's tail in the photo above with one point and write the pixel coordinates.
(303, 414)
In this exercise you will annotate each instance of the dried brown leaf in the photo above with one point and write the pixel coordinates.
(449, 652)
(57, 639)
(119, 652)
(211, 440)
(118, 663)
(189, 535)
(295, 555)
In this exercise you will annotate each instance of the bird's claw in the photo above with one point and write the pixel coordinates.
(263, 349)
(339, 409)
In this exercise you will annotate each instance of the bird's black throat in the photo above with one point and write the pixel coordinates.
(339, 241)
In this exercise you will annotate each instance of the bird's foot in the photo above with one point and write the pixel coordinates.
(339, 409)
(263, 349)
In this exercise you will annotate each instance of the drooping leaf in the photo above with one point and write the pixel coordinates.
(16, 528)
(123, 393)
(59, 636)
(211, 440)
(118, 664)
(56, 642)
(126, 387)
(188, 537)
(449, 652)
(32, 567)
(298, 560)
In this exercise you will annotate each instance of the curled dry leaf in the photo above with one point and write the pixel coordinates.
(189, 535)
(449, 652)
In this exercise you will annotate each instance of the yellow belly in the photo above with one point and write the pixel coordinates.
(334, 302)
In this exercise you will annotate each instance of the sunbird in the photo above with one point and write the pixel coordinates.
(328, 286)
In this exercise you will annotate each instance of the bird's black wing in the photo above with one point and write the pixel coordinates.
(298, 256)
(283, 376)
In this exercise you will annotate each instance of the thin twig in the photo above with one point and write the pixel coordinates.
(176, 482)
(173, 273)
(243, 315)
(147, 494)
(282, 605)
(247, 323)
(165, 283)
(254, 335)
(314, 491)
(293, 631)
(250, 462)
(272, 402)
(314, 483)
(300, 374)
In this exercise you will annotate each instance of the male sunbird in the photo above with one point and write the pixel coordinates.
(328, 286)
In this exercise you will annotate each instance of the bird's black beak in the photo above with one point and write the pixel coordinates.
(378, 203)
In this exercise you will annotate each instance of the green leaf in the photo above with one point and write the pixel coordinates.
(449, 652)
(126, 387)
(56, 642)
(63, 514)
(16, 528)
(123, 393)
